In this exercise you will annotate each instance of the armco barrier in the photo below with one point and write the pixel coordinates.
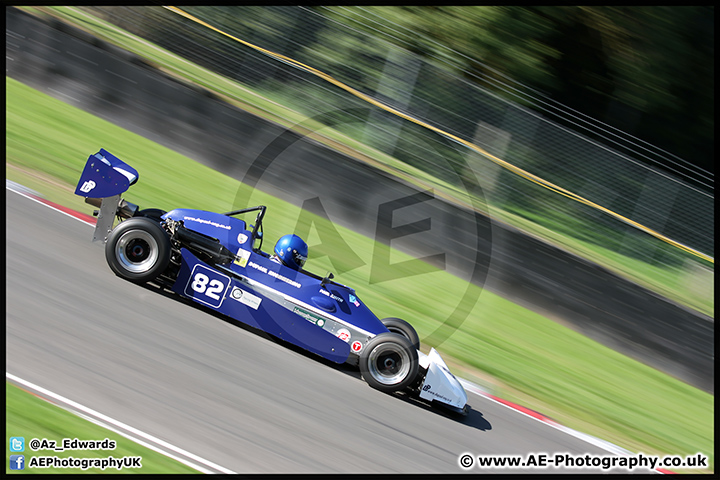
(115, 85)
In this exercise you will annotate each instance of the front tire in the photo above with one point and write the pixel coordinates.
(138, 250)
(389, 362)
(400, 326)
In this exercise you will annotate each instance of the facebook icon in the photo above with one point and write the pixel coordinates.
(17, 462)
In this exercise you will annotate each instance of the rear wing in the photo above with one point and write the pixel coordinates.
(104, 178)
(105, 175)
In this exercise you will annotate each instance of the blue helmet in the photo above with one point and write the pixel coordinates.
(292, 251)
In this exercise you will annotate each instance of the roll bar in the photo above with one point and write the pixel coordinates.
(256, 231)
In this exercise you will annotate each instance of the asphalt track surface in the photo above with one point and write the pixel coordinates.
(211, 387)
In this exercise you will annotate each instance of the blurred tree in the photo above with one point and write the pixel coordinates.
(673, 88)
(648, 71)
(645, 70)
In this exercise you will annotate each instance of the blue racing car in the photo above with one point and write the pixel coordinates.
(216, 259)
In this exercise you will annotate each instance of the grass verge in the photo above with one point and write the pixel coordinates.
(30, 417)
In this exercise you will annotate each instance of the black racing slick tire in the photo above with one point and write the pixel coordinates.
(138, 250)
(400, 326)
(389, 362)
(153, 213)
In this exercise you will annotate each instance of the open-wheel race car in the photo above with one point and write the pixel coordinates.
(216, 259)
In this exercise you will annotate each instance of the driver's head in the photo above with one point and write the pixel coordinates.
(292, 251)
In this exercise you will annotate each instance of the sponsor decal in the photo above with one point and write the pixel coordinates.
(207, 222)
(257, 267)
(353, 299)
(87, 186)
(274, 274)
(309, 316)
(242, 257)
(284, 279)
(356, 346)
(428, 388)
(246, 298)
(207, 286)
(331, 295)
(343, 334)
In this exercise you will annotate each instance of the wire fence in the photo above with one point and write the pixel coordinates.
(612, 171)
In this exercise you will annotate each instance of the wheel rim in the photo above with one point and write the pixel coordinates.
(389, 364)
(137, 251)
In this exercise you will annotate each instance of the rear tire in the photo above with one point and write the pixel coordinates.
(389, 362)
(153, 213)
(138, 250)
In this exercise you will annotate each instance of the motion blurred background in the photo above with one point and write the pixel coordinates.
(591, 128)
(614, 104)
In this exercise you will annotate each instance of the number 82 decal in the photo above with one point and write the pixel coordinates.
(207, 286)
